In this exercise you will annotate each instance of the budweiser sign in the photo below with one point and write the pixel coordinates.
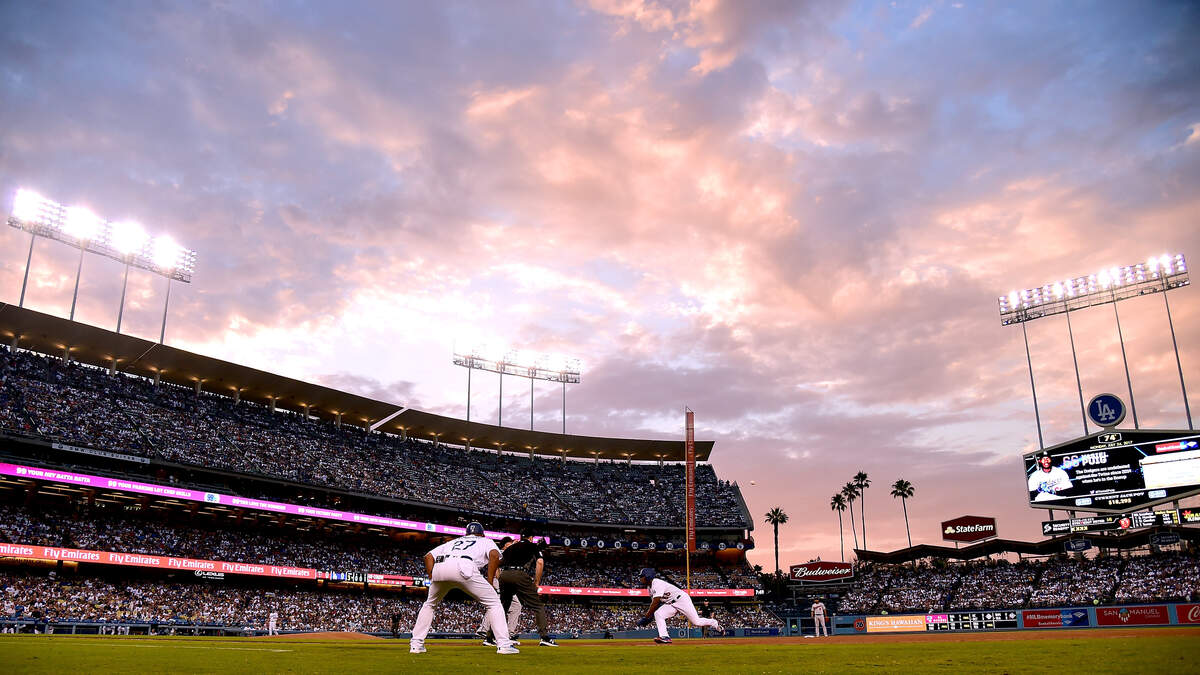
(969, 528)
(822, 571)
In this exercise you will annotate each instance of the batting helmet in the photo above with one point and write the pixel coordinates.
(647, 573)
(475, 529)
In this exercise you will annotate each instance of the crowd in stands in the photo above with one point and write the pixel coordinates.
(42, 396)
(95, 599)
(1169, 575)
(94, 529)
(1055, 582)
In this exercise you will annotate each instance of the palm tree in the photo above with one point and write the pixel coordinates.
(838, 503)
(776, 517)
(904, 489)
(862, 483)
(850, 492)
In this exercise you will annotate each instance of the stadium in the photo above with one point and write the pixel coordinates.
(150, 491)
(255, 250)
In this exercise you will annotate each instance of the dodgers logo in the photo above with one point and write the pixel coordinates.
(1106, 410)
(212, 498)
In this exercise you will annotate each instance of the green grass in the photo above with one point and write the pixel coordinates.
(1093, 653)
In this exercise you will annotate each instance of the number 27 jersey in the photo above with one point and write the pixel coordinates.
(475, 548)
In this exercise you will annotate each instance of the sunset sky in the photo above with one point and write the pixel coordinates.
(793, 217)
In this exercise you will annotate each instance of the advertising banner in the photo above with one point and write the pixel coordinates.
(642, 592)
(1146, 615)
(969, 529)
(896, 624)
(690, 487)
(1189, 613)
(1055, 618)
(139, 487)
(1115, 471)
(821, 571)
(162, 561)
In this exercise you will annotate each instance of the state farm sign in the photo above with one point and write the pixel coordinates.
(822, 571)
(969, 528)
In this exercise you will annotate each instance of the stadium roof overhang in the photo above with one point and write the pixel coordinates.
(88, 344)
(1050, 546)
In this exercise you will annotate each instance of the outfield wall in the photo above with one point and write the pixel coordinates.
(988, 620)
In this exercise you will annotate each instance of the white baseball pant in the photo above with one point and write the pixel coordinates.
(514, 613)
(272, 629)
(461, 573)
(683, 606)
(820, 627)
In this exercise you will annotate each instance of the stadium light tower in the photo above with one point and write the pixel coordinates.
(1158, 274)
(521, 364)
(125, 242)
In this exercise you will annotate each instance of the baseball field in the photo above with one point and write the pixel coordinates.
(1169, 650)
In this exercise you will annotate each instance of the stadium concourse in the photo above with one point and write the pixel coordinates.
(311, 540)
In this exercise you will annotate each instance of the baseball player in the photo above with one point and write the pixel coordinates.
(818, 616)
(456, 564)
(667, 600)
(1048, 480)
(273, 623)
(514, 610)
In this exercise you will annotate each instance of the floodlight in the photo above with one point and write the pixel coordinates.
(166, 253)
(1108, 286)
(28, 206)
(1160, 273)
(81, 224)
(127, 237)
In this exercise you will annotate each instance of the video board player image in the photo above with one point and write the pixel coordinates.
(1115, 470)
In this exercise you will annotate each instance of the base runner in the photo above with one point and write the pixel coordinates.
(455, 564)
(667, 600)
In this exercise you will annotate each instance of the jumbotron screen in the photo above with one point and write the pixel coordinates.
(1115, 471)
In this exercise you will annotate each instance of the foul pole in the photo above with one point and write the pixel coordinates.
(690, 505)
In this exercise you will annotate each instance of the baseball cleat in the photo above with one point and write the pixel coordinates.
(508, 650)
(548, 642)
(416, 649)
(488, 642)
(663, 640)
(516, 643)
(481, 635)
(719, 629)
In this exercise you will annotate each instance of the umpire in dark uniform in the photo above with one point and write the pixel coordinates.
(521, 566)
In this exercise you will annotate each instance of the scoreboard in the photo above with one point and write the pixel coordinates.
(1110, 523)
(971, 621)
(1115, 471)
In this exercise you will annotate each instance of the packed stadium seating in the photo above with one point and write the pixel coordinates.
(176, 604)
(43, 397)
(96, 529)
(1054, 582)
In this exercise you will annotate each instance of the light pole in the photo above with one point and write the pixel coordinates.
(1160, 274)
(533, 367)
(125, 242)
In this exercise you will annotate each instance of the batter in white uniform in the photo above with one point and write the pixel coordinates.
(455, 564)
(273, 623)
(667, 600)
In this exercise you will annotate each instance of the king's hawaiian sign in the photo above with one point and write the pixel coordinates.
(820, 570)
